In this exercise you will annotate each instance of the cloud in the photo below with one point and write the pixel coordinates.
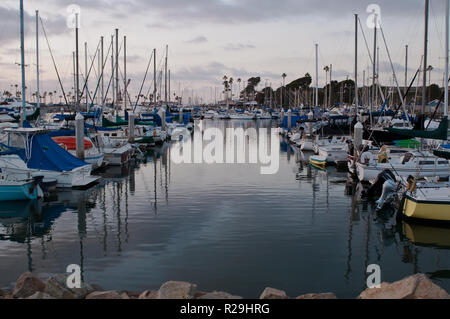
(238, 46)
(10, 30)
(197, 40)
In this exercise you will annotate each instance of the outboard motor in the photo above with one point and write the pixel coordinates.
(388, 194)
(377, 187)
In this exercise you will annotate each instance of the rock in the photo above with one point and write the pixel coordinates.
(149, 295)
(40, 295)
(327, 295)
(132, 294)
(124, 295)
(5, 293)
(177, 290)
(271, 293)
(56, 287)
(27, 285)
(112, 294)
(218, 295)
(415, 287)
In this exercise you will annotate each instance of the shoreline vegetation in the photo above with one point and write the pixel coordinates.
(28, 286)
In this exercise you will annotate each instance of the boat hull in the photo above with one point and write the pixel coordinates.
(18, 192)
(426, 210)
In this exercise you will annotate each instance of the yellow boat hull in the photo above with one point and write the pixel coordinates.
(436, 211)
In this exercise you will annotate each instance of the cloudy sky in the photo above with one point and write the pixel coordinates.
(211, 38)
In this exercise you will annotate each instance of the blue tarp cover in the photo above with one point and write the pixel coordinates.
(47, 155)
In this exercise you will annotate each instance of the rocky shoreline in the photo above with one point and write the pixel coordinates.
(28, 286)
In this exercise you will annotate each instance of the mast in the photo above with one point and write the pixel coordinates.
(117, 71)
(125, 91)
(406, 69)
(22, 55)
(102, 69)
(86, 74)
(356, 62)
(112, 71)
(374, 73)
(74, 73)
(154, 77)
(165, 75)
(447, 13)
(317, 75)
(331, 87)
(170, 97)
(425, 61)
(77, 66)
(37, 61)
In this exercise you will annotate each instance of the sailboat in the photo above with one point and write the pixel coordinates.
(430, 201)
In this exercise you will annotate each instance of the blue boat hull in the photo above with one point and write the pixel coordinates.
(27, 191)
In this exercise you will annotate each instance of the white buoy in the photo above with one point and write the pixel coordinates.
(131, 127)
(79, 133)
(358, 135)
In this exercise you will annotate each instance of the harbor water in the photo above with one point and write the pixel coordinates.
(223, 227)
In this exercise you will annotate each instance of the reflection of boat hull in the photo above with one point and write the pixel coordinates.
(318, 161)
(427, 235)
(426, 210)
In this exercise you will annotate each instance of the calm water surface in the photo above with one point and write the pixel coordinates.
(223, 227)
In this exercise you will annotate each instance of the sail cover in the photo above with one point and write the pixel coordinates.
(47, 155)
(438, 134)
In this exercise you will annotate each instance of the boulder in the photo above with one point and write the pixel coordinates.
(56, 287)
(218, 295)
(177, 290)
(40, 295)
(27, 285)
(5, 293)
(418, 286)
(271, 293)
(148, 295)
(112, 294)
(327, 295)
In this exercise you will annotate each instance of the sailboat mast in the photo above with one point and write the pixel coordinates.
(125, 72)
(22, 55)
(154, 77)
(102, 69)
(165, 75)
(406, 69)
(356, 63)
(425, 61)
(86, 74)
(317, 75)
(117, 71)
(374, 73)
(37, 61)
(447, 13)
(77, 66)
(113, 91)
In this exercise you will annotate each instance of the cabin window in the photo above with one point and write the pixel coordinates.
(426, 163)
(443, 162)
(114, 135)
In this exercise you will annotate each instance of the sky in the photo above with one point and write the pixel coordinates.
(208, 39)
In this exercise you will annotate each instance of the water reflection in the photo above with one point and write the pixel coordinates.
(222, 227)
